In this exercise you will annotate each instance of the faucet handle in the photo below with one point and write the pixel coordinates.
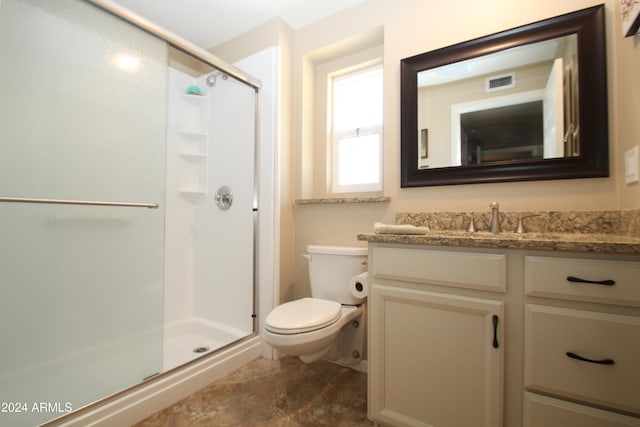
(472, 225)
(520, 228)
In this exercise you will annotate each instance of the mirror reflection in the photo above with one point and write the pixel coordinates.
(519, 104)
(527, 103)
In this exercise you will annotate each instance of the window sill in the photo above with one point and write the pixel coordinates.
(342, 200)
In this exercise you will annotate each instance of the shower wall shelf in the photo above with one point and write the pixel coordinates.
(187, 155)
(193, 139)
(193, 194)
(193, 97)
(194, 133)
(196, 115)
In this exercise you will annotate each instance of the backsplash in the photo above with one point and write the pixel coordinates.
(619, 223)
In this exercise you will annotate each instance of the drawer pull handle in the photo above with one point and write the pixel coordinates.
(584, 359)
(495, 331)
(595, 282)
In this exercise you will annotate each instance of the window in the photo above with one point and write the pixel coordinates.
(355, 130)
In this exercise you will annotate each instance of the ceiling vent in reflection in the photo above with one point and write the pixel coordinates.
(501, 82)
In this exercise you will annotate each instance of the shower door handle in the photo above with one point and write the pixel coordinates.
(78, 202)
(224, 198)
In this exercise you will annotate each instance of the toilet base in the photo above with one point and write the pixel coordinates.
(347, 349)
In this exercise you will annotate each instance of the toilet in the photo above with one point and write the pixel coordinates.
(329, 325)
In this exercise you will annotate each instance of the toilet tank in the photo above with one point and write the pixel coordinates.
(331, 267)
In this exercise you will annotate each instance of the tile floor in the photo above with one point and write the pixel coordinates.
(283, 392)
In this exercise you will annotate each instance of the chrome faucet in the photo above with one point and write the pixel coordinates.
(495, 217)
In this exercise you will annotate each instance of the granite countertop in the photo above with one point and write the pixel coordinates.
(596, 243)
(551, 231)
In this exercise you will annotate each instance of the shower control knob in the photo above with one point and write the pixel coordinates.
(224, 198)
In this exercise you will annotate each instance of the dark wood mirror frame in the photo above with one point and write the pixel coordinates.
(593, 161)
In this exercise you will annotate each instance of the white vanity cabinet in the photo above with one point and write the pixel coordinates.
(567, 335)
(435, 357)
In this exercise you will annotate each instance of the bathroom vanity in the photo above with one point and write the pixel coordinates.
(533, 329)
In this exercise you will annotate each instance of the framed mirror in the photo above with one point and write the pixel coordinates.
(529, 103)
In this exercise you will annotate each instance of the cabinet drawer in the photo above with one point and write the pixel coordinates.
(472, 270)
(543, 411)
(551, 333)
(548, 277)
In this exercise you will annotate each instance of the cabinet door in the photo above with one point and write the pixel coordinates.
(434, 359)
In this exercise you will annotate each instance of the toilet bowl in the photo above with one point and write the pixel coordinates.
(329, 325)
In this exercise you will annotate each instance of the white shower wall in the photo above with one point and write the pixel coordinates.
(209, 252)
(224, 239)
(180, 215)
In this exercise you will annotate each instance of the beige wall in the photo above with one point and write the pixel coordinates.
(415, 26)
(624, 112)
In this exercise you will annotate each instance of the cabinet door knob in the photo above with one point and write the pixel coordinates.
(495, 331)
(584, 359)
(594, 282)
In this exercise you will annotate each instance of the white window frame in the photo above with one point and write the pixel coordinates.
(335, 137)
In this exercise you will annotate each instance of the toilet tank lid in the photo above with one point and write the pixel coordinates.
(337, 250)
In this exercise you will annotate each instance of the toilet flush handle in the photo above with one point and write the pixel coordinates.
(307, 256)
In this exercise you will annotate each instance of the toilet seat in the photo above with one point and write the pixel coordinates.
(303, 315)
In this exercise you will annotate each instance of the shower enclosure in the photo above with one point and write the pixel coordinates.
(127, 207)
(210, 210)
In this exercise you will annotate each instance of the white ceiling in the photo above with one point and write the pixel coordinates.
(208, 23)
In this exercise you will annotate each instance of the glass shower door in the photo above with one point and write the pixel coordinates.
(82, 118)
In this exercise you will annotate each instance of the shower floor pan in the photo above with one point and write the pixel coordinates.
(188, 339)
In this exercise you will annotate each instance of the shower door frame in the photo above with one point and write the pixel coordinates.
(178, 42)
